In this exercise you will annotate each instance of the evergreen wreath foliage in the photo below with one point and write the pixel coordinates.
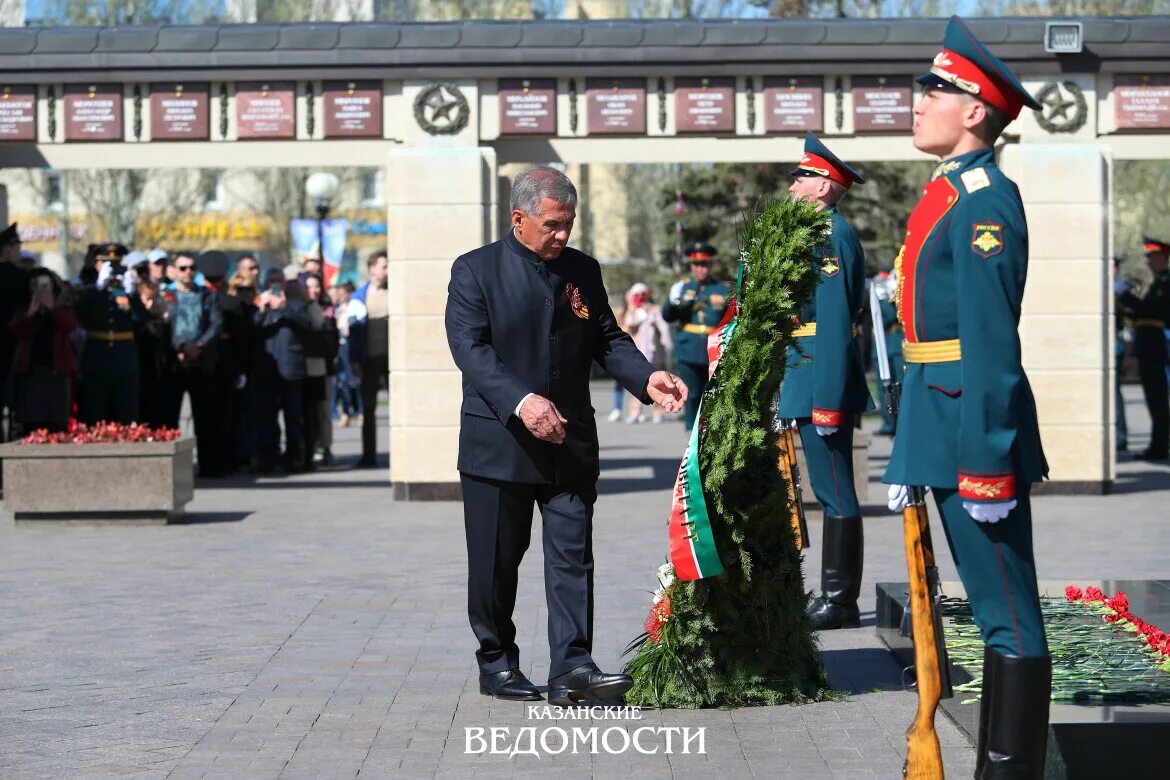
(742, 638)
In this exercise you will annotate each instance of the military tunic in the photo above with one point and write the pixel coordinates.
(699, 309)
(109, 382)
(824, 383)
(1151, 313)
(968, 427)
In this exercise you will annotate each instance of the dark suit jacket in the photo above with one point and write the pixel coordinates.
(282, 329)
(517, 325)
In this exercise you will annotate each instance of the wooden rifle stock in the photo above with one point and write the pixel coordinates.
(791, 472)
(923, 753)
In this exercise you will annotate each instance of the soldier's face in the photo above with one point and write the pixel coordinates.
(547, 232)
(700, 271)
(939, 121)
(809, 188)
(1156, 261)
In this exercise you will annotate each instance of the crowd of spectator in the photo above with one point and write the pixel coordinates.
(267, 363)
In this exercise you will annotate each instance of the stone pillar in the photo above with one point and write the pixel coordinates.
(441, 203)
(1066, 328)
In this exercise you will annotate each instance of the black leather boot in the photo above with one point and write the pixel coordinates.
(841, 559)
(985, 705)
(1017, 725)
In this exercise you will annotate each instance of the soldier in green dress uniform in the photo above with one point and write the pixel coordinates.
(109, 313)
(824, 385)
(1151, 313)
(697, 304)
(968, 427)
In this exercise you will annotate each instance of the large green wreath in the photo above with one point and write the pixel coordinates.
(742, 638)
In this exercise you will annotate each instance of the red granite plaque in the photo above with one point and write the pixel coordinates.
(179, 112)
(266, 110)
(353, 109)
(1141, 102)
(793, 105)
(18, 113)
(881, 104)
(616, 106)
(528, 106)
(704, 105)
(93, 112)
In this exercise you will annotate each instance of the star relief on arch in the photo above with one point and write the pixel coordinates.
(441, 109)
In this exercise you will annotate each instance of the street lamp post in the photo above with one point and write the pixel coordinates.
(322, 189)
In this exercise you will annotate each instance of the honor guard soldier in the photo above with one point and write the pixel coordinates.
(109, 313)
(697, 304)
(824, 385)
(968, 429)
(1151, 313)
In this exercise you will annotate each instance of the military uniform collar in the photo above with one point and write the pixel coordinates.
(964, 162)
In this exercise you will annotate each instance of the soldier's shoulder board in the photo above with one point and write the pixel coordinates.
(975, 179)
(987, 239)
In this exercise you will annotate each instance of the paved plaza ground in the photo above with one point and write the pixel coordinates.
(311, 627)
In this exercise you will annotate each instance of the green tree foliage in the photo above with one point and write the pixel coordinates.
(742, 638)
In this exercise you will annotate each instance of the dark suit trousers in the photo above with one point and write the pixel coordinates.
(498, 521)
(374, 368)
(199, 382)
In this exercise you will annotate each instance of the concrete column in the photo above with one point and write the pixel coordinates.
(1066, 328)
(441, 203)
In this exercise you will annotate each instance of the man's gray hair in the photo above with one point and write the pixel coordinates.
(535, 184)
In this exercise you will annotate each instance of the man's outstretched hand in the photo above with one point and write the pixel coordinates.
(542, 419)
(667, 390)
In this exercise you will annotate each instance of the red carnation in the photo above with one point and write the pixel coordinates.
(1073, 593)
(1119, 602)
(659, 614)
(1093, 593)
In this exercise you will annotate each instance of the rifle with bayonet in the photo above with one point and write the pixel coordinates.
(931, 666)
(791, 471)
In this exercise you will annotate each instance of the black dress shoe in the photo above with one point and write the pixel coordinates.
(1151, 455)
(587, 683)
(510, 684)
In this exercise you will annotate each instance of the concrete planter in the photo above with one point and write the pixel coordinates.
(141, 483)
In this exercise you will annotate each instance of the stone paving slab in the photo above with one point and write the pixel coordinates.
(311, 627)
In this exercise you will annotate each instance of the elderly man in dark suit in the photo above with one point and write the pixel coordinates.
(526, 318)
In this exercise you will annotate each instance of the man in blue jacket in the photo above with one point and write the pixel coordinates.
(526, 318)
(824, 385)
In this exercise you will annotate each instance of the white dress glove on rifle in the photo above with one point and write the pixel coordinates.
(899, 497)
(676, 293)
(826, 430)
(104, 275)
(989, 513)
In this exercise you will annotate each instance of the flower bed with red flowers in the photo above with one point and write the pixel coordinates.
(1115, 609)
(103, 433)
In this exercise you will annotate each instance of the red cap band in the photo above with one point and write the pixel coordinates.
(814, 163)
(960, 72)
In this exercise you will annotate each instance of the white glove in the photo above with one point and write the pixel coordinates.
(989, 513)
(899, 496)
(104, 275)
(676, 293)
(130, 280)
(826, 430)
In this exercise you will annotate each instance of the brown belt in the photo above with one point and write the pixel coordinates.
(111, 335)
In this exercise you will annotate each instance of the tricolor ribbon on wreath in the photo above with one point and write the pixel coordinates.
(692, 540)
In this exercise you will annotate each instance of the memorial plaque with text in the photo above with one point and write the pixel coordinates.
(528, 106)
(93, 113)
(179, 112)
(616, 106)
(704, 105)
(353, 109)
(793, 105)
(881, 104)
(18, 113)
(1141, 102)
(266, 110)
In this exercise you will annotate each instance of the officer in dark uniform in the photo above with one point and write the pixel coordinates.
(1151, 313)
(824, 387)
(14, 298)
(697, 304)
(109, 313)
(1120, 352)
(230, 362)
(968, 428)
